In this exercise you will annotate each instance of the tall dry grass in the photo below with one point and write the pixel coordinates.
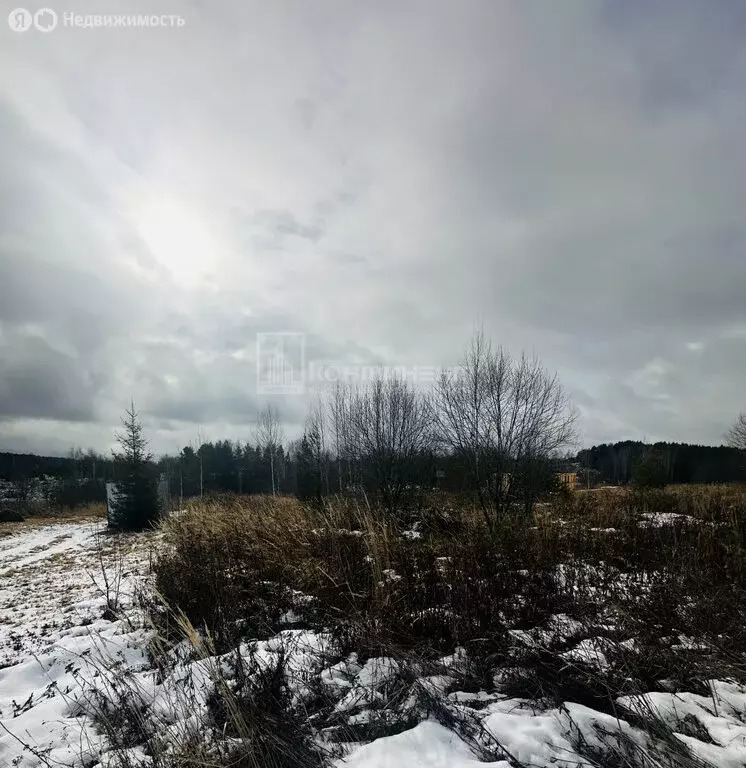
(666, 562)
(43, 515)
(656, 580)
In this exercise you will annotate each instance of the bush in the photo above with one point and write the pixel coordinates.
(239, 567)
(649, 472)
(226, 563)
(8, 515)
(254, 705)
(71, 493)
(597, 597)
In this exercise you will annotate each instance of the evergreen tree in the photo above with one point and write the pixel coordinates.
(136, 505)
(533, 478)
(307, 486)
(649, 471)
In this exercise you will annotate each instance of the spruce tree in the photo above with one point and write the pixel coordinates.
(307, 482)
(649, 471)
(136, 505)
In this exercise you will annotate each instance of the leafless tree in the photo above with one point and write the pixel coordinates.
(269, 437)
(460, 412)
(340, 408)
(316, 429)
(77, 457)
(22, 490)
(199, 453)
(92, 457)
(389, 422)
(505, 418)
(737, 434)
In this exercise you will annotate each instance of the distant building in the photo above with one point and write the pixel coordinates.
(568, 479)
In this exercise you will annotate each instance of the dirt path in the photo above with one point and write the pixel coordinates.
(51, 581)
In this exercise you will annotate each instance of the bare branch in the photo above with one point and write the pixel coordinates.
(736, 436)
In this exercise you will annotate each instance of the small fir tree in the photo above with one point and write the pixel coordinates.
(136, 505)
(649, 472)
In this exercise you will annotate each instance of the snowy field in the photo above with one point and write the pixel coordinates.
(52, 599)
(56, 650)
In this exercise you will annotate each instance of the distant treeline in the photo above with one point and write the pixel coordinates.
(77, 464)
(215, 467)
(684, 463)
(224, 465)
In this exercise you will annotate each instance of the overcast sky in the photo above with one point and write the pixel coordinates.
(378, 176)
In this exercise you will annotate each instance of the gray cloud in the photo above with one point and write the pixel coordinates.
(378, 178)
(39, 382)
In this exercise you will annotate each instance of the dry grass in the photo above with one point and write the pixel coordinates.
(608, 507)
(85, 513)
(236, 565)
(251, 553)
(237, 712)
(232, 566)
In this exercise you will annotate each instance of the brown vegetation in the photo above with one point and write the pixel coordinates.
(43, 515)
(653, 564)
(651, 583)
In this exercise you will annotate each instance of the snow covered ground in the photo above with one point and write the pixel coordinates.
(52, 599)
(52, 586)
(55, 647)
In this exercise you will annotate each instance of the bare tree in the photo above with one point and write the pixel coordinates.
(269, 438)
(316, 436)
(76, 456)
(737, 434)
(460, 412)
(389, 422)
(505, 418)
(340, 409)
(200, 443)
(92, 457)
(22, 490)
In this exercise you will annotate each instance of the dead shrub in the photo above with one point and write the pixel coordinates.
(675, 567)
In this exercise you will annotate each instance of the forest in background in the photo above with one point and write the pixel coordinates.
(227, 466)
